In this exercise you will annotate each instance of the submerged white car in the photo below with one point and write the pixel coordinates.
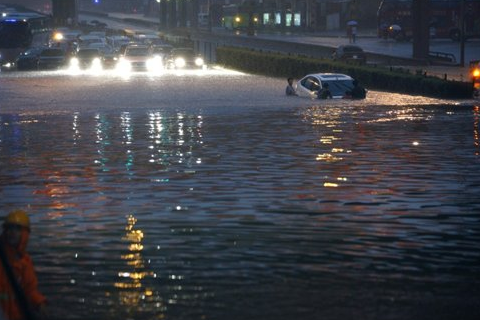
(338, 84)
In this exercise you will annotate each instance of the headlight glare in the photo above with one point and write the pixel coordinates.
(199, 62)
(180, 63)
(74, 62)
(96, 63)
(154, 64)
(124, 65)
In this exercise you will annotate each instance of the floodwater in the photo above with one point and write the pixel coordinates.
(214, 196)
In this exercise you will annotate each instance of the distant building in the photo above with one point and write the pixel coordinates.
(285, 15)
(43, 6)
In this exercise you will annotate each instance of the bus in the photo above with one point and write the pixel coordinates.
(234, 18)
(21, 30)
(395, 19)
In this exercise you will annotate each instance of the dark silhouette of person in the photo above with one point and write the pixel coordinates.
(357, 92)
(290, 90)
(324, 93)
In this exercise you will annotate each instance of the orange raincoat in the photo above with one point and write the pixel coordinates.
(22, 266)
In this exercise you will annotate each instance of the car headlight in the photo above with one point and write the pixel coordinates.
(154, 64)
(199, 62)
(180, 63)
(124, 65)
(96, 63)
(74, 62)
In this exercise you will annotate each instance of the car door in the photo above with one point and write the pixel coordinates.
(308, 86)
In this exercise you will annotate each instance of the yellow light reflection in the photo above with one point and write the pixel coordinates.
(329, 123)
(330, 185)
(476, 121)
(328, 139)
(130, 282)
(404, 114)
(327, 157)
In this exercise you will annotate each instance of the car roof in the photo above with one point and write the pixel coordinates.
(137, 45)
(90, 37)
(163, 45)
(88, 50)
(117, 37)
(330, 76)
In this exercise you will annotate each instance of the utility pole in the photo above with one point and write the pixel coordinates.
(421, 31)
(462, 33)
(163, 14)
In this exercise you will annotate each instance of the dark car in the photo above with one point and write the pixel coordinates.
(98, 24)
(180, 58)
(161, 50)
(28, 60)
(350, 53)
(87, 58)
(51, 58)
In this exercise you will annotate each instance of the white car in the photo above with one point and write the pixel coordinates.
(338, 84)
(139, 57)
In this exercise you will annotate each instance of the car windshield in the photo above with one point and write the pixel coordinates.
(161, 49)
(87, 53)
(339, 87)
(183, 52)
(31, 52)
(51, 53)
(137, 51)
(14, 34)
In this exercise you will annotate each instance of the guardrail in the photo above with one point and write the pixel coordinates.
(442, 57)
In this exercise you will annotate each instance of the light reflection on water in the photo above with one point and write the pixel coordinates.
(312, 212)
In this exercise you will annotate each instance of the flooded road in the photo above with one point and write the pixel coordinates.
(214, 196)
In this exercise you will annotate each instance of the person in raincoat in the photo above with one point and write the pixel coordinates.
(20, 298)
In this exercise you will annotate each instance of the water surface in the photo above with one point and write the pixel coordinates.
(231, 201)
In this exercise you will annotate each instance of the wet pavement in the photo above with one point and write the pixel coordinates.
(211, 195)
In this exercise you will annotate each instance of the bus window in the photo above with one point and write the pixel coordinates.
(15, 34)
